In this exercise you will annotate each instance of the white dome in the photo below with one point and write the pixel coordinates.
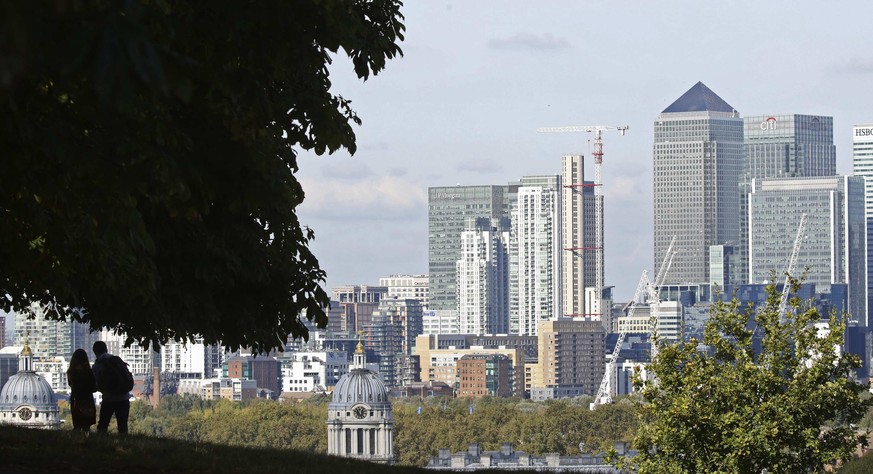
(27, 388)
(359, 386)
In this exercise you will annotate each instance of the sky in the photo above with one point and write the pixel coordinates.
(477, 78)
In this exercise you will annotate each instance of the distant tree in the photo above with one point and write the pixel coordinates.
(789, 409)
(148, 158)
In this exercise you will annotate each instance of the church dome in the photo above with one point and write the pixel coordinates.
(27, 388)
(27, 399)
(359, 386)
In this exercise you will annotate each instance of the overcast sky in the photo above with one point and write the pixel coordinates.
(479, 77)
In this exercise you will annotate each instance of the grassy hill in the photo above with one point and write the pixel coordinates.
(27, 450)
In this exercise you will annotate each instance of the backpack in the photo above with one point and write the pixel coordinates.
(116, 377)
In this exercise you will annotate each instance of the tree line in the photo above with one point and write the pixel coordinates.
(562, 426)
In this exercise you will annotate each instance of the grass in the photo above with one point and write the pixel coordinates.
(28, 450)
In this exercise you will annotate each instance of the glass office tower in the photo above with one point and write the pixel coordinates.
(781, 146)
(448, 208)
(862, 164)
(698, 155)
(833, 249)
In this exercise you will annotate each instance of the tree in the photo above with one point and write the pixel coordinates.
(789, 408)
(148, 159)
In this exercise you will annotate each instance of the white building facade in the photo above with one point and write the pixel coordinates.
(536, 255)
(407, 287)
(312, 371)
(483, 277)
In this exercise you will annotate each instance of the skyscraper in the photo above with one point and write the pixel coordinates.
(448, 207)
(781, 146)
(535, 254)
(49, 337)
(834, 247)
(483, 277)
(862, 164)
(698, 156)
(580, 256)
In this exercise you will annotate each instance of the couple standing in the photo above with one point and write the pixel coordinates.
(105, 376)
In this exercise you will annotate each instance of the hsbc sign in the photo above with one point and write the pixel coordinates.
(863, 134)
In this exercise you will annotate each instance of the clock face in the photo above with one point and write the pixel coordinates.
(24, 413)
(360, 412)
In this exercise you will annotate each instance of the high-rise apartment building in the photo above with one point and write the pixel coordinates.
(780, 146)
(698, 156)
(483, 277)
(50, 338)
(834, 248)
(535, 254)
(579, 256)
(448, 207)
(862, 165)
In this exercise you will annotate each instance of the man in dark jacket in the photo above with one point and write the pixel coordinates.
(117, 403)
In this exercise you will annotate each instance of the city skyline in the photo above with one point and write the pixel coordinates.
(463, 109)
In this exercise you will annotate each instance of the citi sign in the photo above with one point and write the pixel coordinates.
(769, 124)
(864, 132)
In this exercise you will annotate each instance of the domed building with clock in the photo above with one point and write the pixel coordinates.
(27, 399)
(360, 422)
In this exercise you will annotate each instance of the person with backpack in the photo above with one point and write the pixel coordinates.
(115, 382)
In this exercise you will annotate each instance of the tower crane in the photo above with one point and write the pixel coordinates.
(655, 295)
(792, 262)
(598, 197)
(604, 392)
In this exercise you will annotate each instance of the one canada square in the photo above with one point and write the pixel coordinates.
(698, 157)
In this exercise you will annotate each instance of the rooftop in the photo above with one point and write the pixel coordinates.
(698, 99)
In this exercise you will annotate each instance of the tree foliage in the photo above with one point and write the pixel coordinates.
(788, 409)
(533, 427)
(148, 158)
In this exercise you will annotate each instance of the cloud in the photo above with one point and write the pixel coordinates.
(858, 65)
(483, 166)
(348, 170)
(379, 198)
(627, 189)
(529, 42)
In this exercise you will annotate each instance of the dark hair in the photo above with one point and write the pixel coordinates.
(79, 361)
(99, 348)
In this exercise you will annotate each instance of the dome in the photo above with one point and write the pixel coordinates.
(27, 388)
(27, 399)
(359, 386)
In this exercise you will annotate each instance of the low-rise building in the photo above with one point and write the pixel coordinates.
(229, 389)
(480, 375)
(508, 459)
(312, 371)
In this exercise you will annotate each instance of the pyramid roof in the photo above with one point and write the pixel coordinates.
(698, 99)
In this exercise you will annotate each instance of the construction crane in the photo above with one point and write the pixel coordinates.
(792, 262)
(655, 295)
(598, 199)
(604, 392)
